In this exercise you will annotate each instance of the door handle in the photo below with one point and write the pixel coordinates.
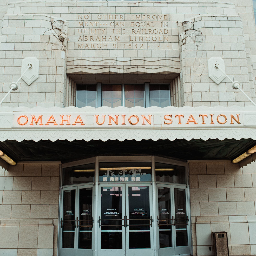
(125, 221)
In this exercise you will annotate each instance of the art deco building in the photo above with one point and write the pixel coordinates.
(127, 128)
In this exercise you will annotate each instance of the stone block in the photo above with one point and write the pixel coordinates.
(9, 237)
(45, 236)
(41, 183)
(245, 208)
(203, 234)
(53, 211)
(32, 170)
(227, 208)
(22, 183)
(27, 252)
(240, 250)
(235, 194)
(207, 181)
(20, 211)
(198, 195)
(12, 197)
(30, 197)
(209, 208)
(239, 233)
(204, 250)
(28, 236)
(45, 252)
(225, 181)
(6, 183)
(5, 211)
(243, 181)
(217, 194)
(215, 168)
(197, 167)
(249, 194)
(39, 211)
(55, 183)
(193, 181)
(250, 168)
(50, 197)
(195, 208)
(8, 252)
(50, 169)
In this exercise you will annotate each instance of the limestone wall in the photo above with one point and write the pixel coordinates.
(223, 199)
(149, 41)
(29, 198)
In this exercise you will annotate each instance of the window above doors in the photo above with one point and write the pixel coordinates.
(127, 95)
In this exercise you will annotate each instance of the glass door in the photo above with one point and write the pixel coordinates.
(76, 221)
(125, 223)
(173, 220)
(139, 233)
(112, 220)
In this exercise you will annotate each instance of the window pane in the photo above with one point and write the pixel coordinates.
(68, 222)
(124, 172)
(112, 95)
(78, 174)
(85, 218)
(159, 95)
(134, 95)
(170, 173)
(86, 95)
(180, 217)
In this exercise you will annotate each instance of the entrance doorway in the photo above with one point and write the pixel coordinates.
(124, 206)
(126, 220)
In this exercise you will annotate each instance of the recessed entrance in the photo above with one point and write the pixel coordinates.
(124, 206)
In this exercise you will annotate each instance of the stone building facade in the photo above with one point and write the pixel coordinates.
(96, 43)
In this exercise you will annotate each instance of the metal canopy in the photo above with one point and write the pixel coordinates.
(68, 134)
(66, 151)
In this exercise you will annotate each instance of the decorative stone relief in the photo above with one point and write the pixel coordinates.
(30, 70)
(216, 68)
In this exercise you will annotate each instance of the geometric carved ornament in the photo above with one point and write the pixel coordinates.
(30, 70)
(216, 68)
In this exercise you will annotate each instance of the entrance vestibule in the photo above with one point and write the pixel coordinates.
(124, 206)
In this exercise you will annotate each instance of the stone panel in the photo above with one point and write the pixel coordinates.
(22, 183)
(20, 211)
(28, 237)
(207, 181)
(235, 194)
(45, 237)
(30, 197)
(225, 181)
(9, 236)
(12, 197)
(217, 194)
(227, 208)
(209, 208)
(49, 197)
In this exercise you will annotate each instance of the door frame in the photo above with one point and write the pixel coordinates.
(97, 160)
(125, 230)
(174, 250)
(76, 250)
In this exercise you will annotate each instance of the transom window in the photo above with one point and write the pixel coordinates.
(127, 95)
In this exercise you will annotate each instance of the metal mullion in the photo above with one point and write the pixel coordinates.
(173, 214)
(99, 95)
(76, 217)
(155, 208)
(97, 236)
(123, 96)
(147, 99)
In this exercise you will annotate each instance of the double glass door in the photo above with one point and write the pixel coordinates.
(173, 221)
(76, 222)
(125, 220)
